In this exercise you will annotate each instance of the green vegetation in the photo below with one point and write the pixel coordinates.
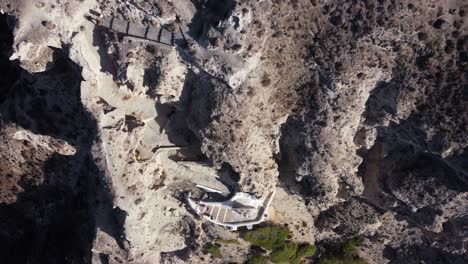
(284, 253)
(343, 253)
(295, 260)
(257, 260)
(274, 238)
(268, 237)
(228, 241)
(306, 250)
(213, 249)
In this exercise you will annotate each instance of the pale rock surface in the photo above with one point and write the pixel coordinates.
(355, 111)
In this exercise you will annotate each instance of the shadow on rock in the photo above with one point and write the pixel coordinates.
(209, 14)
(52, 219)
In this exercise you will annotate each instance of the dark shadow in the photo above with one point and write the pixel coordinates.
(226, 169)
(381, 101)
(6, 67)
(172, 118)
(425, 253)
(424, 167)
(190, 240)
(297, 141)
(388, 252)
(349, 217)
(184, 119)
(53, 219)
(52, 222)
(414, 173)
(101, 40)
(167, 35)
(209, 14)
(287, 161)
(104, 258)
(151, 76)
(117, 230)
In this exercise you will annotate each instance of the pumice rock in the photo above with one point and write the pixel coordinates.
(353, 113)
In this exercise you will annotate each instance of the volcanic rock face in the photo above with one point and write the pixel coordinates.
(356, 111)
(46, 168)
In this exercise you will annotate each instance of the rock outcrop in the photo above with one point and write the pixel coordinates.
(355, 110)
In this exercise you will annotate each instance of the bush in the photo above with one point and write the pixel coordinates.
(269, 237)
(351, 246)
(257, 260)
(306, 250)
(344, 253)
(273, 238)
(339, 260)
(213, 250)
(295, 260)
(284, 254)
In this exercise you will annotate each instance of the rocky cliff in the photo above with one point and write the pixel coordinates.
(356, 111)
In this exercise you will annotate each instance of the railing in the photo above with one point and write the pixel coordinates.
(163, 35)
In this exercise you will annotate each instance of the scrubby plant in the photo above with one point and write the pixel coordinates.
(274, 238)
(295, 260)
(284, 254)
(342, 253)
(351, 246)
(306, 250)
(257, 260)
(214, 250)
(268, 237)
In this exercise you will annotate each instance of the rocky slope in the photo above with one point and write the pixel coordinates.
(356, 111)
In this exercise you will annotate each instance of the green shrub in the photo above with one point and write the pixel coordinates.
(330, 260)
(273, 238)
(284, 254)
(269, 237)
(213, 249)
(306, 250)
(257, 260)
(343, 253)
(351, 246)
(295, 260)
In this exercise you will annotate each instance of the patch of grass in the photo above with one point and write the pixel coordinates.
(268, 237)
(257, 260)
(214, 250)
(343, 253)
(284, 254)
(228, 241)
